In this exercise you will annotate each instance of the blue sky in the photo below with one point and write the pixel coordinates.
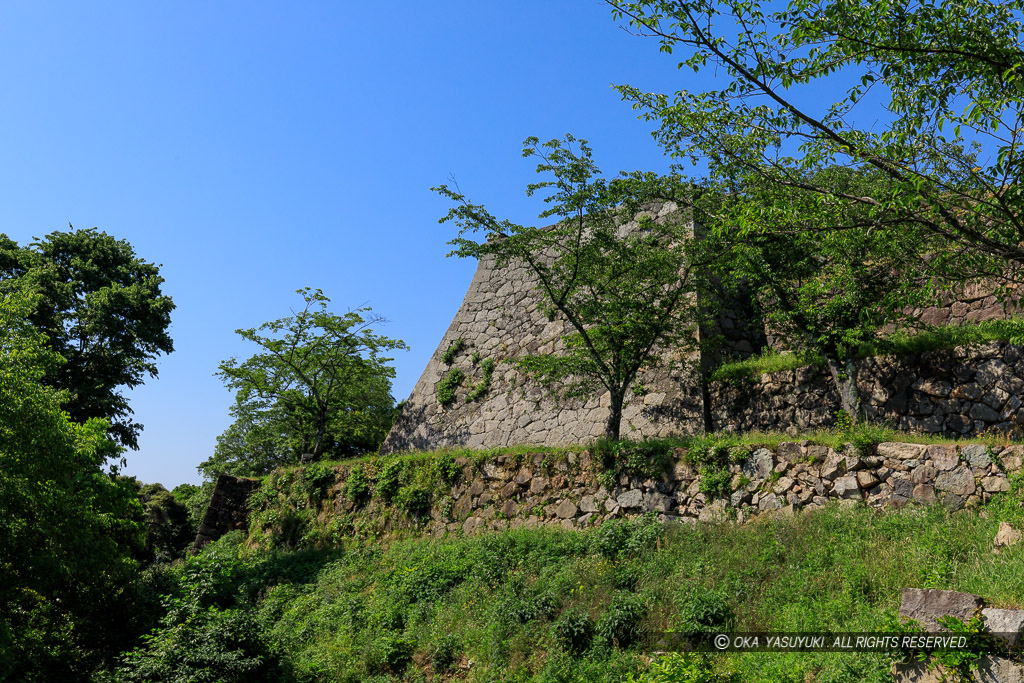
(256, 148)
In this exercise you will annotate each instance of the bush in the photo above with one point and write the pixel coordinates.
(448, 357)
(703, 611)
(620, 624)
(388, 479)
(315, 479)
(575, 630)
(683, 667)
(357, 487)
(446, 469)
(414, 499)
(627, 537)
(448, 385)
(390, 653)
(445, 653)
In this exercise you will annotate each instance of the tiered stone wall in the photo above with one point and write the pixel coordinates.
(955, 393)
(958, 392)
(499, 321)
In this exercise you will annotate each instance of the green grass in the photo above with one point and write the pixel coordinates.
(902, 343)
(553, 605)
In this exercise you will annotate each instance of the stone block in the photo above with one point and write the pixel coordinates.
(866, 479)
(847, 487)
(995, 484)
(943, 457)
(976, 454)
(1006, 536)
(759, 464)
(631, 499)
(1004, 623)
(926, 605)
(566, 509)
(900, 451)
(924, 493)
(959, 481)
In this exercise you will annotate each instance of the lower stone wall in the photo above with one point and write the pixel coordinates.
(573, 491)
(958, 392)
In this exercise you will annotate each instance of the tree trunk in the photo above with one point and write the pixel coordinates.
(318, 440)
(845, 380)
(611, 429)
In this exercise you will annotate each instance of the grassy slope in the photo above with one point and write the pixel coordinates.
(510, 603)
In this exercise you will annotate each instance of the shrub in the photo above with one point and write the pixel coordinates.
(714, 482)
(315, 479)
(414, 499)
(446, 469)
(620, 624)
(390, 653)
(683, 667)
(575, 630)
(389, 478)
(704, 611)
(627, 537)
(448, 357)
(445, 653)
(481, 388)
(357, 487)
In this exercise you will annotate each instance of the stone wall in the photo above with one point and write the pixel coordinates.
(499, 321)
(571, 490)
(228, 509)
(958, 392)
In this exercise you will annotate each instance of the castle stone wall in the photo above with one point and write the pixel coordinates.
(499, 320)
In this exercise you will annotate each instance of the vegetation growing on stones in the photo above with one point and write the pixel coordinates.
(448, 385)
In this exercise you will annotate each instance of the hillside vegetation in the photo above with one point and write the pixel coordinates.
(383, 604)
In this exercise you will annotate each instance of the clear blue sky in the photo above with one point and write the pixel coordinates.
(255, 148)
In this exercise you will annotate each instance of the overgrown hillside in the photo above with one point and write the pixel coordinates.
(304, 600)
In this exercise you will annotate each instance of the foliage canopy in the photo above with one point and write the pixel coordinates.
(319, 385)
(102, 310)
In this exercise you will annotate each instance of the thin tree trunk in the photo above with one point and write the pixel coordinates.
(845, 380)
(611, 430)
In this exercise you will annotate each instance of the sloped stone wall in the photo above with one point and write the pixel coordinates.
(499, 321)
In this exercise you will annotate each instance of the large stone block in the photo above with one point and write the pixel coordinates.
(926, 605)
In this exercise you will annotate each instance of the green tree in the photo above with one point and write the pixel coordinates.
(169, 531)
(626, 297)
(69, 529)
(320, 385)
(102, 311)
(928, 85)
(827, 292)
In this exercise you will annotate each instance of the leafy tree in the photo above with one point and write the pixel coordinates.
(320, 385)
(69, 530)
(102, 311)
(169, 531)
(626, 297)
(826, 292)
(940, 80)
